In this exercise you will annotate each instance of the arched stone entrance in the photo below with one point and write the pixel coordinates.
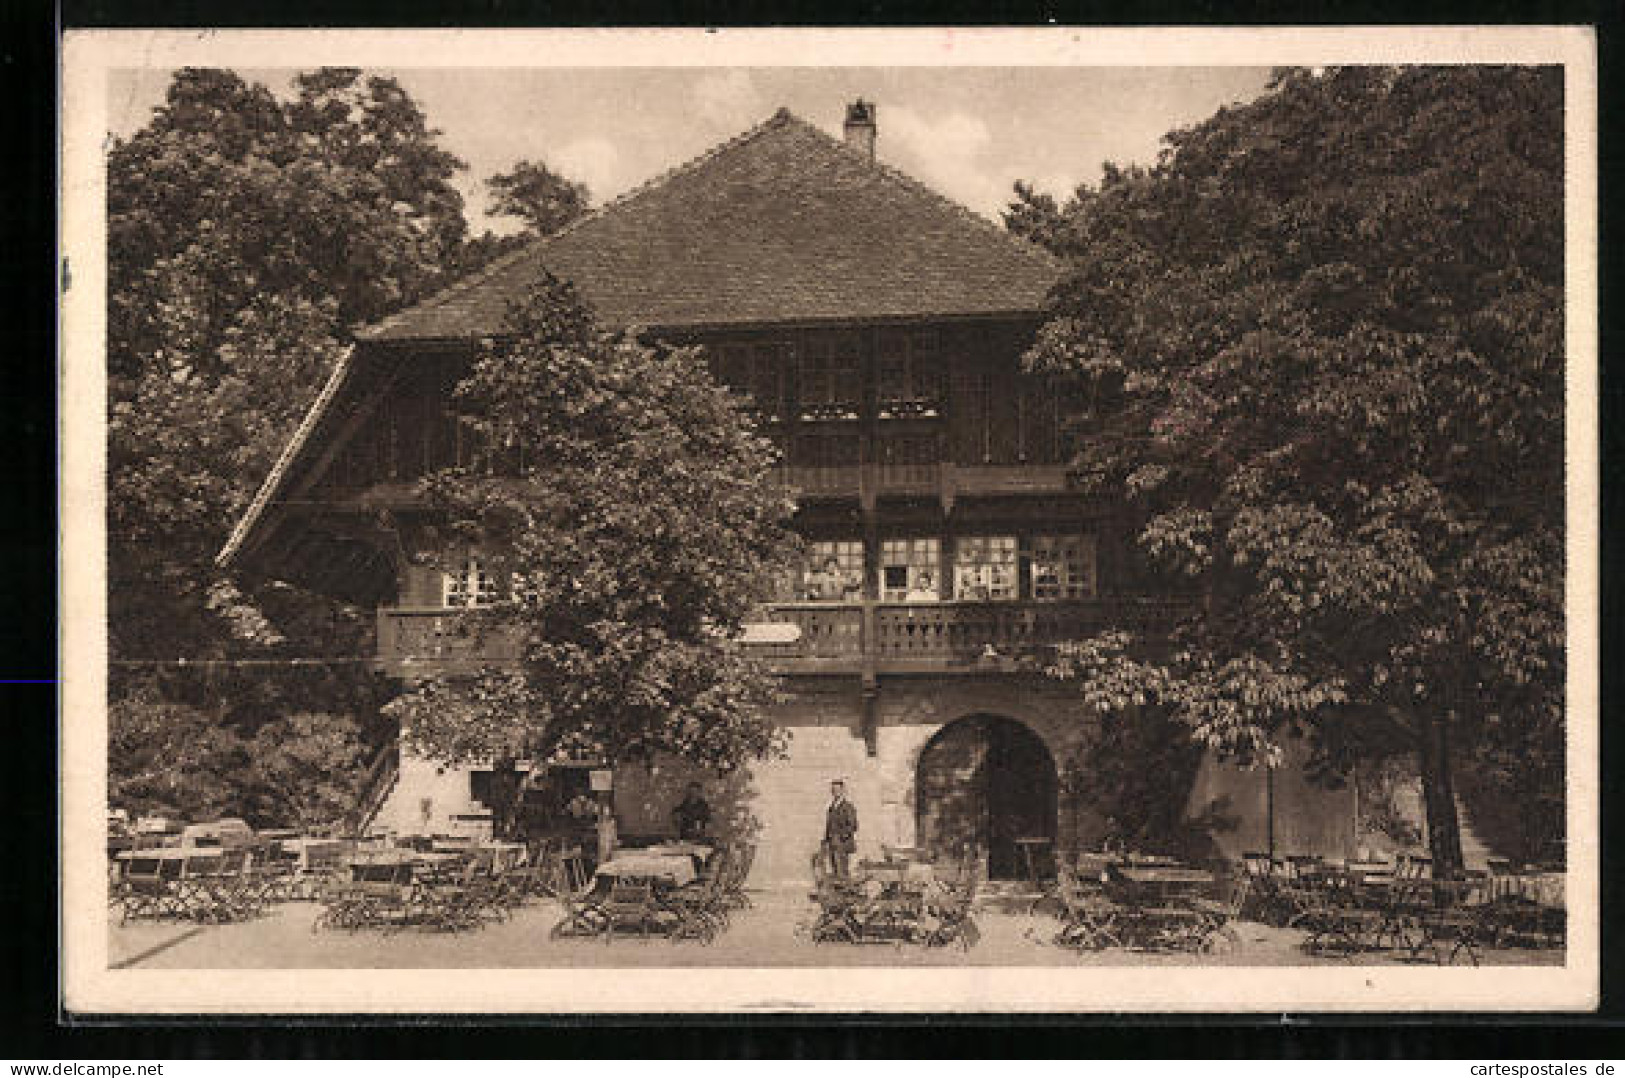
(986, 781)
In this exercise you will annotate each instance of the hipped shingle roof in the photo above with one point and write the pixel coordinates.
(781, 224)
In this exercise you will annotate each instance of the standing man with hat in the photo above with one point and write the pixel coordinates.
(840, 830)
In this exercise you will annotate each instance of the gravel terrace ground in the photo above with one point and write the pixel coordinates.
(761, 936)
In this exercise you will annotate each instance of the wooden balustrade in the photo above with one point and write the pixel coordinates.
(832, 636)
(439, 640)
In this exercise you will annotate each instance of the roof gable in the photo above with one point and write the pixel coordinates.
(781, 224)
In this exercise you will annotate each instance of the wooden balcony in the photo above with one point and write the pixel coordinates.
(437, 639)
(947, 481)
(828, 638)
(943, 636)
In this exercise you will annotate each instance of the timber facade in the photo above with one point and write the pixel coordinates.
(877, 332)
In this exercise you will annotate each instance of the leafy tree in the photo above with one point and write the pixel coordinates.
(540, 197)
(304, 770)
(630, 519)
(245, 235)
(178, 759)
(1323, 342)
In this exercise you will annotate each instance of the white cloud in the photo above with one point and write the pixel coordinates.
(597, 163)
(728, 99)
(948, 152)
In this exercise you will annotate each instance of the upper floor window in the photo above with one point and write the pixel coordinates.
(757, 369)
(908, 373)
(834, 571)
(1062, 566)
(829, 385)
(985, 567)
(909, 568)
(467, 584)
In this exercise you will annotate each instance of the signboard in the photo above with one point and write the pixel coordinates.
(771, 632)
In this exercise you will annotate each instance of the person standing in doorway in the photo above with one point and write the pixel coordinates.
(840, 830)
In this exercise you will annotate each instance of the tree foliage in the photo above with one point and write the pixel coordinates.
(246, 235)
(538, 196)
(177, 759)
(1323, 344)
(633, 529)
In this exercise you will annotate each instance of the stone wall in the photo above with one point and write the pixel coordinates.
(427, 799)
(780, 804)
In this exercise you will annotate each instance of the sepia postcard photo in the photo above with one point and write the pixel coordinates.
(1061, 520)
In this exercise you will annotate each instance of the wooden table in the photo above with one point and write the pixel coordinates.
(1159, 913)
(898, 871)
(1165, 876)
(146, 862)
(673, 869)
(386, 866)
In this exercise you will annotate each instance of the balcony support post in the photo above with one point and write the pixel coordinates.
(871, 713)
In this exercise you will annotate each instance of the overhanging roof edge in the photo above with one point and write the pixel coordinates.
(279, 473)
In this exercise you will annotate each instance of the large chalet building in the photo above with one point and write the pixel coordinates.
(878, 329)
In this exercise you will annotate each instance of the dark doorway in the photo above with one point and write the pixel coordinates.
(987, 782)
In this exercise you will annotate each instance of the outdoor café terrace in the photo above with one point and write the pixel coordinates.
(223, 895)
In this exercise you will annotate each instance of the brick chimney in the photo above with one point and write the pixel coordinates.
(860, 127)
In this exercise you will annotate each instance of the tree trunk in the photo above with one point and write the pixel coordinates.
(1439, 798)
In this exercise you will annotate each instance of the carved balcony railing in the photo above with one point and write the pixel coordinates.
(833, 637)
(436, 639)
(947, 634)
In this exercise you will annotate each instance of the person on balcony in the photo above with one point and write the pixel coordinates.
(824, 582)
(923, 589)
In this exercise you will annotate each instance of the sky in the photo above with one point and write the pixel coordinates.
(969, 132)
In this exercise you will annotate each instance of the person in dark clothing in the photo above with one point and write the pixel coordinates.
(840, 830)
(692, 815)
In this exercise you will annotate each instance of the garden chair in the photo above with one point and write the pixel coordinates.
(1218, 934)
(1267, 903)
(220, 890)
(1520, 918)
(341, 903)
(274, 869)
(952, 911)
(1335, 922)
(835, 921)
(701, 909)
(630, 905)
(890, 912)
(1455, 918)
(384, 897)
(581, 909)
(1088, 917)
(447, 898)
(195, 889)
(150, 889)
(567, 874)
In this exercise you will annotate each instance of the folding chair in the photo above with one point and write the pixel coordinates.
(581, 910)
(150, 888)
(952, 908)
(1216, 931)
(1088, 917)
(701, 909)
(631, 904)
